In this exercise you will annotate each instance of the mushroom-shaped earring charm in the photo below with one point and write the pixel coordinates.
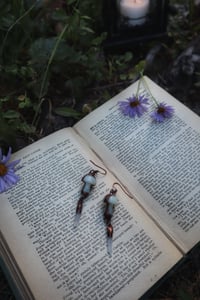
(89, 181)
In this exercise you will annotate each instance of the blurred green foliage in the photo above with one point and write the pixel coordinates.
(49, 48)
(29, 30)
(53, 48)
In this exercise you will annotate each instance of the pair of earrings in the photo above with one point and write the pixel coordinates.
(110, 201)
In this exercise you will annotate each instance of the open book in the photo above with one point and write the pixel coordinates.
(158, 164)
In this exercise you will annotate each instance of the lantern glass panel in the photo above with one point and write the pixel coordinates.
(132, 21)
(133, 12)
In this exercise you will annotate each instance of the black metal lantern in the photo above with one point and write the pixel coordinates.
(130, 22)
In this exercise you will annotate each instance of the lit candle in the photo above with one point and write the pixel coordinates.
(134, 10)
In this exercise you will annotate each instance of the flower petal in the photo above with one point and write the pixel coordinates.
(134, 106)
(10, 178)
(162, 112)
(6, 158)
(12, 164)
(3, 185)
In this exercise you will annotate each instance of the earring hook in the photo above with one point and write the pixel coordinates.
(105, 172)
(123, 189)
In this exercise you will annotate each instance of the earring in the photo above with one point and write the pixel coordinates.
(89, 181)
(110, 201)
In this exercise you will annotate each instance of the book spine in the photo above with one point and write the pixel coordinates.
(10, 280)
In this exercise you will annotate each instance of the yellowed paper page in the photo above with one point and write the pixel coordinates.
(61, 262)
(159, 163)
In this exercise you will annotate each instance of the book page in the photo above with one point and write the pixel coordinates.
(158, 162)
(61, 262)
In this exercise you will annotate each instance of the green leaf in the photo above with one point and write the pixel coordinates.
(41, 50)
(98, 40)
(25, 103)
(87, 29)
(128, 56)
(7, 21)
(26, 128)
(140, 66)
(11, 114)
(11, 69)
(86, 17)
(123, 77)
(5, 99)
(67, 112)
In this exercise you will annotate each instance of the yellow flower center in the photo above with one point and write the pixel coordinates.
(134, 103)
(3, 169)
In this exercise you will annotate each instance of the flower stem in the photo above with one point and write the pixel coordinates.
(147, 87)
(51, 59)
(46, 72)
(138, 87)
(17, 21)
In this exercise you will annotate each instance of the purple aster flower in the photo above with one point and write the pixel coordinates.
(134, 106)
(7, 171)
(162, 112)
